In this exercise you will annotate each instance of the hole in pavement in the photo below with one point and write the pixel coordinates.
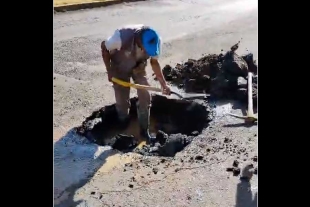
(175, 123)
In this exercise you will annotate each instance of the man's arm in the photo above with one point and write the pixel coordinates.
(106, 58)
(112, 43)
(157, 70)
(159, 75)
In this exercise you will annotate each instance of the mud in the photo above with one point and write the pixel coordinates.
(172, 145)
(176, 123)
(216, 74)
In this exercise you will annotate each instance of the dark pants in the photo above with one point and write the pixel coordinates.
(122, 94)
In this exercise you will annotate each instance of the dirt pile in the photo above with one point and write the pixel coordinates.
(221, 75)
(177, 123)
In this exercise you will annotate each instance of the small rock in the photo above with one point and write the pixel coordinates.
(226, 140)
(128, 165)
(255, 171)
(155, 170)
(163, 160)
(153, 149)
(255, 158)
(188, 197)
(198, 157)
(229, 169)
(92, 193)
(236, 171)
(161, 137)
(130, 185)
(242, 81)
(177, 169)
(236, 163)
(195, 133)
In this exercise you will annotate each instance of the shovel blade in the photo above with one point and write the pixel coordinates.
(190, 95)
(195, 95)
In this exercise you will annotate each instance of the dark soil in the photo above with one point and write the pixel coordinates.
(216, 74)
(178, 122)
(235, 170)
(188, 119)
(172, 144)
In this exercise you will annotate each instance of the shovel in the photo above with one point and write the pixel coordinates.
(250, 117)
(155, 89)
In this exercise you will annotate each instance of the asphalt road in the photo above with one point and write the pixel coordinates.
(189, 28)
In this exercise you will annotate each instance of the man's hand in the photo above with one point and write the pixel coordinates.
(160, 77)
(166, 89)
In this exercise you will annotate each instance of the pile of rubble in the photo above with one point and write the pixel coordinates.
(221, 75)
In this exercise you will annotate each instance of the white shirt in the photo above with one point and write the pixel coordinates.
(114, 42)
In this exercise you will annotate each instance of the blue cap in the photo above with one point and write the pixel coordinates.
(151, 42)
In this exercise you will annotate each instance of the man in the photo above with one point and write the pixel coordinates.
(125, 55)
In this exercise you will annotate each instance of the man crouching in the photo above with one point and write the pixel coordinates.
(125, 55)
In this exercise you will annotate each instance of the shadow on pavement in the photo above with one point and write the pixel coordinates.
(244, 196)
(76, 160)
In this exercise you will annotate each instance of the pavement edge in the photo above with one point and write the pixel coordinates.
(89, 5)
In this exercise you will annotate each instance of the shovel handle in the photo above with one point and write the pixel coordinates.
(250, 95)
(136, 86)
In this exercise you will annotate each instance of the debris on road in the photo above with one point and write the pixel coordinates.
(255, 158)
(155, 170)
(221, 75)
(199, 157)
(235, 170)
(236, 163)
